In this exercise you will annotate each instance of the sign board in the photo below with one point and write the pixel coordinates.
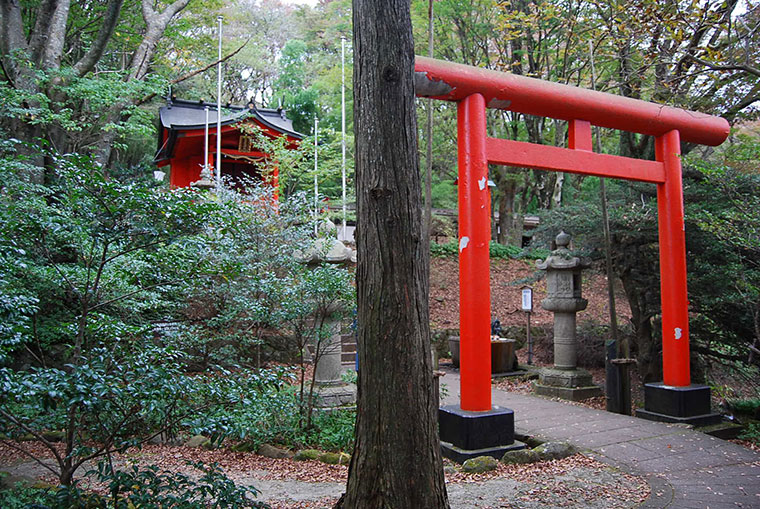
(527, 299)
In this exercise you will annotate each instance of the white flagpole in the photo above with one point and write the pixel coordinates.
(316, 184)
(205, 143)
(219, 111)
(343, 125)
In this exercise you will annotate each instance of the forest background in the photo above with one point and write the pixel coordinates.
(95, 253)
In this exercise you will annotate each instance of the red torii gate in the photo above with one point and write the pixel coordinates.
(475, 89)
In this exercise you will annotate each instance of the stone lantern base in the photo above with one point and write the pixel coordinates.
(334, 396)
(570, 384)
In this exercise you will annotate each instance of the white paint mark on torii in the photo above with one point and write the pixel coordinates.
(482, 183)
(679, 332)
(463, 243)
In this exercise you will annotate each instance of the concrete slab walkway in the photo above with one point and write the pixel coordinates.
(685, 469)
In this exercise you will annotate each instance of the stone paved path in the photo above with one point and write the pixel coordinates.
(686, 469)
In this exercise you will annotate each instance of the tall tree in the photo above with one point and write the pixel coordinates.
(396, 461)
(49, 52)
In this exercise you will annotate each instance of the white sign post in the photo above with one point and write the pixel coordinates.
(527, 306)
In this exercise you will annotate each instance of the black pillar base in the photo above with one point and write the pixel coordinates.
(466, 435)
(687, 405)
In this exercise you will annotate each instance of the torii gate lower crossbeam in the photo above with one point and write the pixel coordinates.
(476, 89)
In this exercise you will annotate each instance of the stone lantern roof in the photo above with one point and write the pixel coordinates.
(562, 258)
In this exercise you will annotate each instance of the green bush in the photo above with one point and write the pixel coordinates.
(503, 251)
(140, 487)
(20, 497)
(333, 430)
(450, 248)
(271, 415)
(751, 433)
(148, 487)
(749, 406)
(496, 250)
(265, 414)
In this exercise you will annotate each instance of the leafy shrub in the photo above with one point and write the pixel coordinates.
(503, 251)
(148, 487)
(20, 497)
(749, 406)
(140, 487)
(534, 253)
(114, 399)
(350, 376)
(333, 430)
(263, 413)
(751, 433)
(496, 250)
(450, 248)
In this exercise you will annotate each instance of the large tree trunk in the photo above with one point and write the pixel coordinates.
(644, 305)
(396, 461)
(510, 222)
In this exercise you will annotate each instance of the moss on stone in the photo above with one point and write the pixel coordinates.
(519, 457)
(479, 465)
(306, 454)
(331, 458)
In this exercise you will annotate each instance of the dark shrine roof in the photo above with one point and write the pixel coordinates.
(183, 115)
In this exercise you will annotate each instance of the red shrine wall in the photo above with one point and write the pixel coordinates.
(185, 167)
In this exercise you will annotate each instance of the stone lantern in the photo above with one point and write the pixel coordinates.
(564, 299)
(331, 390)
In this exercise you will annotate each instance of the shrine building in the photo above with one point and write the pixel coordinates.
(182, 125)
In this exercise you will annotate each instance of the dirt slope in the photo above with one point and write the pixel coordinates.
(505, 294)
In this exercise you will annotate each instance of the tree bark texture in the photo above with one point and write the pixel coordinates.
(396, 462)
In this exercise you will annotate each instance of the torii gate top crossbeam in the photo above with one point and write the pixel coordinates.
(453, 82)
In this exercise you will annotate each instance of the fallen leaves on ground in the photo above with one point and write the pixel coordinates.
(570, 480)
(238, 464)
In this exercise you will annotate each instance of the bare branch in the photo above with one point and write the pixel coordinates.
(23, 451)
(156, 23)
(111, 18)
(195, 72)
(134, 292)
(744, 67)
(35, 434)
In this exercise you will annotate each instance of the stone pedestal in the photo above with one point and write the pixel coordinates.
(466, 435)
(330, 390)
(335, 396)
(686, 405)
(570, 384)
(502, 354)
(327, 353)
(454, 349)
